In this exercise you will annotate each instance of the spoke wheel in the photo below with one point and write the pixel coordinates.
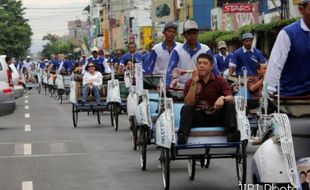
(191, 169)
(133, 132)
(143, 146)
(207, 162)
(74, 115)
(241, 164)
(114, 112)
(98, 117)
(165, 167)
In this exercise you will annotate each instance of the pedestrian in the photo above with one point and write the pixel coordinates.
(184, 56)
(247, 56)
(159, 56)
(289, 61)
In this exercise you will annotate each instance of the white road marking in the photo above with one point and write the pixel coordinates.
(27, 185)
(26, 97)
(27, 149)
(26, 107)
(34, 142)
(58, 148)
(19, 149)
(26, 101)
(27, 115)
(43, 155)
(27, 128)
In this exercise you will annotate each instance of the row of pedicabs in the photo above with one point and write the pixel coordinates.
(154, 113)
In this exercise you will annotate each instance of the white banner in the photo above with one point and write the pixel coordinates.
(114, 94)
(139, 78)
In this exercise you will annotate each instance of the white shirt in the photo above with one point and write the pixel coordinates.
(278, 58)
(27, 65)
(96, 78)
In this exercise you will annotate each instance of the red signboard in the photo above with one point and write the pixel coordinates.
(238, 8)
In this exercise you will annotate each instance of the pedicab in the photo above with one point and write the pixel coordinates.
(204, 143)
(63, 82)
(29, 77)
(274, 162)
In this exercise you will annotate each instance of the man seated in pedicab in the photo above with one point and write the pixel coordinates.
(175, 79)
(92, 80)
(255, 86)
(208, 102)
(77, 72)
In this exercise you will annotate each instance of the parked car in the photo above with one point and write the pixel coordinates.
(18, 90)
(7, 103)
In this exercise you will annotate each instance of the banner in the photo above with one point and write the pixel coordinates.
(139, 78)
(238, 8)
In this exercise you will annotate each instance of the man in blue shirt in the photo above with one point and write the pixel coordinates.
(184, 56)
(83, 59)
(96, 59)
(247, 57)
(290, 57)
(160, 54)
(223, 57)
(54, 64)
(67, 65)
(131, 55)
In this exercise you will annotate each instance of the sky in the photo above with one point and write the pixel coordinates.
(51, 16)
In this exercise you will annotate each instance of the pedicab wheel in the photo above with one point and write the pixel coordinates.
(74, 115)
(241, 163)
(133, 132)
(191, 169)
(60, 98)
(39, 89)
(143, 146)
(165, 167)
(207, 162)
(114, 115)
(45, 89)
(98, 117)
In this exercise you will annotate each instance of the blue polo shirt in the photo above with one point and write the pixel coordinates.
(41, 64)
(68, 65)
(56, 64)
(250, 59)
(98, 61)
(83, 62)
(136, 57)
(184, 58)
(223, 62)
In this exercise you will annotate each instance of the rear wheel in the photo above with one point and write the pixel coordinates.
(165, 167)
(191, 169)
(98, 117)
(241, 164)
(143, 146)
(114, 111)
(133, 132)
(74, 115)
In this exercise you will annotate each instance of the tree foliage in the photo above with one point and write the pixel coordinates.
(15, 32)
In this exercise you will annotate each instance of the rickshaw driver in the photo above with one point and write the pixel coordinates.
(208, 102)
(290, 57)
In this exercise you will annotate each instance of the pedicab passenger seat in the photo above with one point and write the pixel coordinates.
(296, 106)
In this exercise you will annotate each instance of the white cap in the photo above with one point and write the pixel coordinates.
(190, 25)
(221, 44)
(94, 49)
(28, 57)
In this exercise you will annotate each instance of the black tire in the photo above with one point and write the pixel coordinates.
(114, 112)
(207, 162)
(98, 117)
(39, 89)
(241, 164)
(45, 89)
(59, 97)
(143, 146)
(165, 167)
(74, 115)
(191, 169)
(133, 132)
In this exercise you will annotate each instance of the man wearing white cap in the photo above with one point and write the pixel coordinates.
(159, 56)
(223, 57)
(247, 56)
(184, 56)
(100, 62)
(28, 64)
(290, 57)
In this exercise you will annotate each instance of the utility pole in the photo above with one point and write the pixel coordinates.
(284, 9)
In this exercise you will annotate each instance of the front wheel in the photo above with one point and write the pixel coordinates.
(133, 132)
(241, 164)
(74, 115)
(143, 146)
(114, 112)
(191, 169)
(165, 167)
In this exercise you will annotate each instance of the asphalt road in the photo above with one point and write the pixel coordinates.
(40, 150)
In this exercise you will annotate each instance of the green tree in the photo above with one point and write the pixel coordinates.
(56, 44)
(15, 32)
